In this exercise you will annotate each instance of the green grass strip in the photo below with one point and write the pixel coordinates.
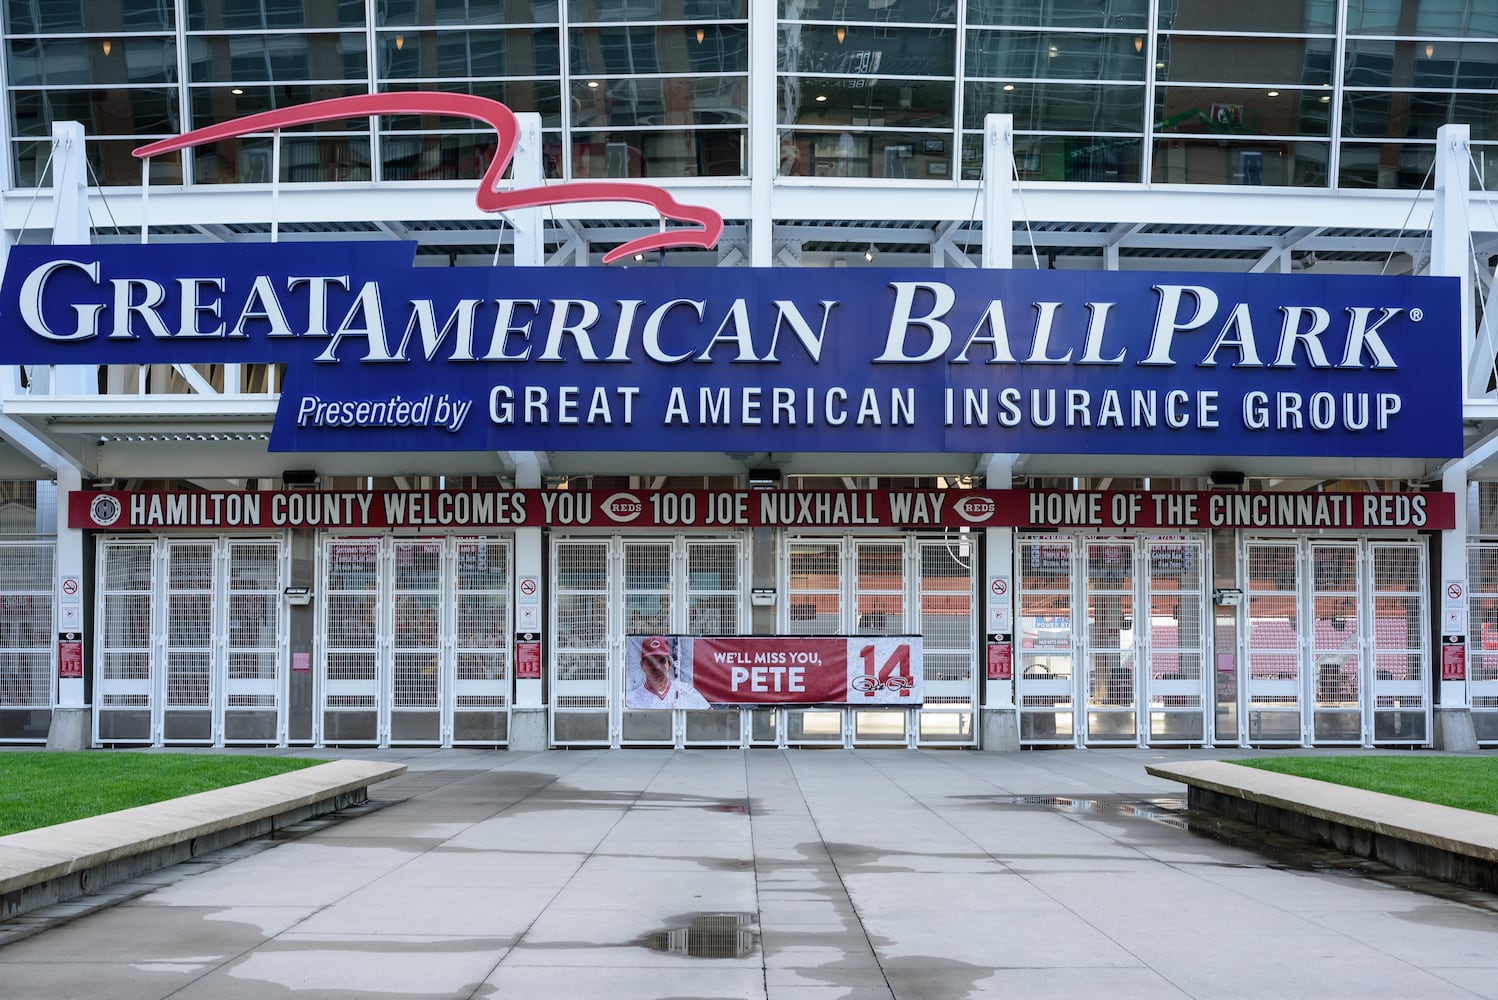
(1463, 782)
(44, 788)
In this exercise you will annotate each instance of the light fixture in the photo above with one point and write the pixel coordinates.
(764, 479)
(1008, 86)
(592, 84)
(1326, 99)
(1138, 43)
(237, 91)
(1053, 51)
(701, 34)
(1159, 65)
(400, 41)
(639, 257)
(821, 98)
(1274, 93)
(1430, 50)
(869, 253)
(106, 46)
(842, 32)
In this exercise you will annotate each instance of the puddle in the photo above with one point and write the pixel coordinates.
(707, 935)
(1277, 851)
(1169, 811)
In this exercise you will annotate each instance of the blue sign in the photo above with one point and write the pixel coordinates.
(385, 356)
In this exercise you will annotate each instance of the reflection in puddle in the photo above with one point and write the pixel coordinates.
(707, 935)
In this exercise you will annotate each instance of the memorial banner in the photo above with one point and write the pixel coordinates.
(702, 672)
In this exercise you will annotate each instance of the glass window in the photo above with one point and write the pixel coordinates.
(1429, 64)
(467, 12)
(1238, 111)
(1446, 18)
(880, 103)
(1305, 62)
(865, 50)
(892, 154)
(1056, 107)
(585, 11)
(305, 158)
(1039, 55)
(658, 153)
(1060, 13)
(278, 58)
(452, 55)
(1310, 16)
(221, 103)
(42, 62)
(125, 111)
(1405, 115)
(1099, 159)
(544, 96)
(1185, 160)
(263, 15)
(110, 161)
(650, 49)
(885, 11)
(24, 17)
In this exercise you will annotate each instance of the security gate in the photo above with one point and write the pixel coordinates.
(416, 641)
(610, 587)
(26, 627)
(1336, 643)
(191, 640)
(883, 586)
(1482, 640)
(1111, 643)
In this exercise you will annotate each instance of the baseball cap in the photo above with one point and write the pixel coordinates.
(655, 647)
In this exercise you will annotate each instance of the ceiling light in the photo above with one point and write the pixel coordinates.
(593, 84)
(639, 256)
(1325, 99)
(701, 34)
(869, 253)
(237, 91)
(821, 97)
(1274, 93)
(400, 41)
(842, 33)
(1159, 65)
(1430, 50)
(1138, 43)
(1008, 86)
(107, 46)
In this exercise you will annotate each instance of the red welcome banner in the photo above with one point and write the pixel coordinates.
(680, 671)
(359, 510)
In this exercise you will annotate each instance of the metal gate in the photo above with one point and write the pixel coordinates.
(1336, 643)
(416, 641)
(881, 586)
(610, 587)
(1129, 673)
(26, 641)
(1482, 640)
(190, 644)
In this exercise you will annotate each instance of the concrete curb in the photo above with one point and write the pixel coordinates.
(1443, 842)
(47, 865)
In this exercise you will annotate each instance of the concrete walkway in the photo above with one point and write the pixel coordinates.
(804, 874)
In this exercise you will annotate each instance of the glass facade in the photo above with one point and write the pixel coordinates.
(1291, 93)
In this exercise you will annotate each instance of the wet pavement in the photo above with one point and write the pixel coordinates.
(795, 874)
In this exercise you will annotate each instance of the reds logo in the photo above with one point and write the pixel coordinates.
(622, 507)
(704, 225)
(975, 509)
